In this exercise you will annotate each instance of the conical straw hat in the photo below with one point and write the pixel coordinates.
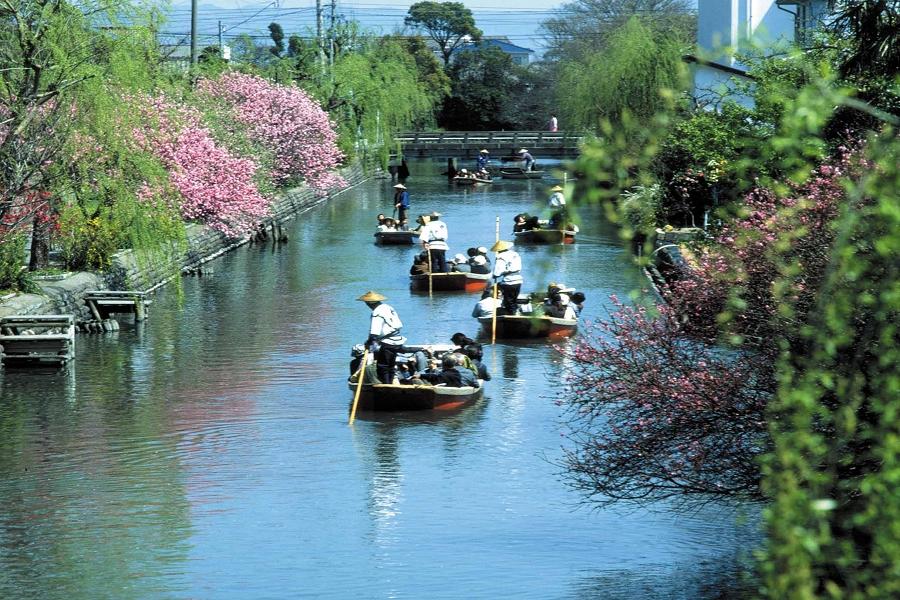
(501, 245)
(371, 296)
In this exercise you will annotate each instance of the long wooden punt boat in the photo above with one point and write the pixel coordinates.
(545, 236)
(394, 397)
(470, 180)
(520, 174)
(394, 238)
(450, 282)
(529, 326)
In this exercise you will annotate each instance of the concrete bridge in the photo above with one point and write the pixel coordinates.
(466, 144)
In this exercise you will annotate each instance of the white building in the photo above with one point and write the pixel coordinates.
(726, 28)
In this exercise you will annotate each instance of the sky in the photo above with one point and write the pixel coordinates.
(519, 21)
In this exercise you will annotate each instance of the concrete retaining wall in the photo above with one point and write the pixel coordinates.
(203, 244)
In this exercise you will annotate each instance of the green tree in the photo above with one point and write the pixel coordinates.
(449, 24)
(637, 71)
(277, 35)
(486, 87)
(583, 27)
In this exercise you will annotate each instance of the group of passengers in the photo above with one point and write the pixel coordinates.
(479, 174)
(477, 261)
(560, 302)
(386, 223)
(461, 366)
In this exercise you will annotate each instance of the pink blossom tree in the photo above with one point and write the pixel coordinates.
(286, 121)
(216, 187)
(654, 415)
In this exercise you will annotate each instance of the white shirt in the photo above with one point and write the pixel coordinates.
(434, 233)
(386, 325)
(508, 267)
(485, 307)
(557, 200)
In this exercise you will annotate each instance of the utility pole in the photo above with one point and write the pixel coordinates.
(194, 54)
(331, 38)
(221, 42)
(320, 40)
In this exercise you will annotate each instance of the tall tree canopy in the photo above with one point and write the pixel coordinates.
(584, 26)
(449, 24)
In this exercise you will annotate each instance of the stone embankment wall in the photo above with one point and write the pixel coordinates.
(203, 244)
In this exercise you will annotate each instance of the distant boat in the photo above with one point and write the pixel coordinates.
(449, 282)
(520, 174)
(470, 180)
(394, 238)
(529, 326)
(545, 236)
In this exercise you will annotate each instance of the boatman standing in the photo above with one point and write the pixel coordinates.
(508, 275)
(483, 158)
(401, 203)
(557, 204)
(434, 240)
(527, 159)
(384, 335)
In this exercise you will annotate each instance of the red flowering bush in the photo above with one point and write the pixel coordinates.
(733, 278)
(654, 415)
(216, 187)
(285, 120)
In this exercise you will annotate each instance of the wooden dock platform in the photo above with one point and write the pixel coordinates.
(103, 303)
(37, 338)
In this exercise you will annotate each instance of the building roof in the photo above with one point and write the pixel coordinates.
(506, 46)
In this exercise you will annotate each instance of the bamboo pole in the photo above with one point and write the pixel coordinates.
(496, 287)
(359, 381)
(430, 271)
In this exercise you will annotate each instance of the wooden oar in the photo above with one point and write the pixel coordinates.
(359, 381)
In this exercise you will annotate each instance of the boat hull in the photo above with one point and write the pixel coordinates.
(476, 282)
(528, 327)
(545, 236)
(470, 180)
(395, 238)
(440, 282)
(395, 397)
(520, 174)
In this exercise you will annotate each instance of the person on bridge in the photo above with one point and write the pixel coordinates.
(401, 203)
(384, 338)
(527, 159)
(484, 157)
(508, 275)
(434, 240)
(553, 125)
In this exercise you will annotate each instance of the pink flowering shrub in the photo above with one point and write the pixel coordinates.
(285, 120)
(654, 415)
(736, 273)
(216, 187)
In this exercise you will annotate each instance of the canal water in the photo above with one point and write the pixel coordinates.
(206, 453)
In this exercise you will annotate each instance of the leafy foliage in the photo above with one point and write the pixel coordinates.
(486, 88)
(449, 24)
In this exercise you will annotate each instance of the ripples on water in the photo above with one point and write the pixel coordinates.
(205, 454)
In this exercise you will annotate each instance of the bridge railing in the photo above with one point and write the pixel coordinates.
(490, 137)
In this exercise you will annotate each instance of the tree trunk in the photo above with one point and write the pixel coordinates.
(40, 244)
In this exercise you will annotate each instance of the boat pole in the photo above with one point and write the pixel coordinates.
(359, 382)
(430, 273)
(496, 287)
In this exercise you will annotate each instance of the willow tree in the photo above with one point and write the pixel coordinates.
(637, 71)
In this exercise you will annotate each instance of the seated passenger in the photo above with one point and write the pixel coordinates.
(450, 373)
(370, 374)
(459, 264)
(476, 354)
(420, 265)
(461, 340)
(525, 222)
(468, 372)
(577, 299)
(487, 305)
(558, 304)
(479, 265)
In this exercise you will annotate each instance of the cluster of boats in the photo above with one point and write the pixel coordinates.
(532, 320)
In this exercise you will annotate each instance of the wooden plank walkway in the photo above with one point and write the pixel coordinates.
(20, 340)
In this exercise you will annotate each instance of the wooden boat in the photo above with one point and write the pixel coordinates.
(393, 238)
(450, 282)
(393, 397)
(529, 326)
(470, 180)
(545, 236)
(520, 174)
